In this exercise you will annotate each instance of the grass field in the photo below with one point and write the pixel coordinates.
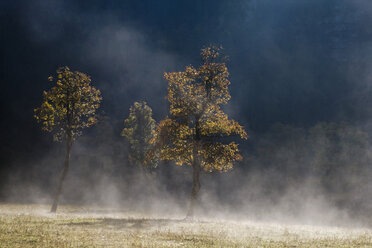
(34, 226)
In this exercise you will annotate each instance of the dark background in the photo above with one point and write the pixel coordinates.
(293, 62)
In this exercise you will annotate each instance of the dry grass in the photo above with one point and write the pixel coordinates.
(33, 226)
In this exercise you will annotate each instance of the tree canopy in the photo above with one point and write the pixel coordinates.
(197, 123)
(139, 129)
(70, 105)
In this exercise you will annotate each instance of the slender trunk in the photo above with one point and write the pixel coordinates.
(63, 176)
(195, 188)
(195, 172)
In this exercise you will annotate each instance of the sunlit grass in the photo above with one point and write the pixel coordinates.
(34, 226)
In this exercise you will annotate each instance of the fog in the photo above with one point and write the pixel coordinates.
(301, 87)
(289, 175)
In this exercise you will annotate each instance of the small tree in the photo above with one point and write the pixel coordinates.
(193, 134)
(139, 129)
(68, 108)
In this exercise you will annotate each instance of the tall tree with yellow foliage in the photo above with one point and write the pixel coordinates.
(68, 108)
(194, 132)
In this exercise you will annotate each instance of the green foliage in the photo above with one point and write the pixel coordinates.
(334, 156)
(340, 159)
(197, 123)
(139, 129)
(337, 145)
(69, 106)
(284, 147)
(323, 147)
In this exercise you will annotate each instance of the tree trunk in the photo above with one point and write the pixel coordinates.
(195, 171)
(63, 176)
(195, 188)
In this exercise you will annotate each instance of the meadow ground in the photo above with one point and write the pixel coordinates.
(34, 226)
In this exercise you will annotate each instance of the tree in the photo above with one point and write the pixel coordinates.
(284, 149)
(68, 108)
(340, 159)
(139, 129)
(194, 132)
